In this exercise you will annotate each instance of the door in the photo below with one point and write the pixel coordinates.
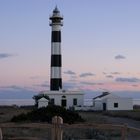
(104, 106)
(64, 102)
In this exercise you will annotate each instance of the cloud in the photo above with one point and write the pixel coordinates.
(115, 73)
(34, 77)
(86, 74)
(69, 72)
(69, 85)
(44, 84)
(104, 73)
(109, 76)
(41, 85)
(134, 85)
(118, 57)
(73, 77)
(13, 87)
(72, 80)
(16, 92)
(131, 80)
(88, 83)
(104, 89)
(99, 83)
(5, 55)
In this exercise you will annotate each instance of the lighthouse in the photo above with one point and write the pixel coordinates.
(57, 96)
(56, 58)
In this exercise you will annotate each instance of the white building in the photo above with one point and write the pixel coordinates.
(43, 102)
(65, 98)
(108, 101)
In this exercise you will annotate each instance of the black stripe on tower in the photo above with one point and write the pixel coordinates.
(56, 61)
(56, 36)
(56, 83)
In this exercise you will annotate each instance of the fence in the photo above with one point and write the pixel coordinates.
(60, 131)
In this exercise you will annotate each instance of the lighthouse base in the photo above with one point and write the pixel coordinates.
(65, 98)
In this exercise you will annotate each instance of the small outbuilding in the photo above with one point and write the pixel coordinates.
(108, 101)
(43, 102)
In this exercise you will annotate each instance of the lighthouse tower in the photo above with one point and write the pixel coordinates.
(57, 96)
(56, 23)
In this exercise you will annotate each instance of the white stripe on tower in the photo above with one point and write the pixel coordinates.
(56, 48)
(56, 80)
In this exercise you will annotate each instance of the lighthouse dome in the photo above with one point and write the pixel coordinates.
(56, 10)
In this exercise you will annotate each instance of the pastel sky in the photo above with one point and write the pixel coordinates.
(100, 46)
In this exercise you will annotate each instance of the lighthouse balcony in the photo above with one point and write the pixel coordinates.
(56, 23)
(56, 16)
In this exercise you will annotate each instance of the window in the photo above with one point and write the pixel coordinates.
(63, 96)
(115, 105)
(74, 101)
(52, 101)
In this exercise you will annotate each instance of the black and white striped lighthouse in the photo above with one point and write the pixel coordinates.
(56, 23)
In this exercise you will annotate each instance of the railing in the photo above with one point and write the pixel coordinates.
(58, 129)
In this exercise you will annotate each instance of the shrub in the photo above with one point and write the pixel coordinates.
(45, 115)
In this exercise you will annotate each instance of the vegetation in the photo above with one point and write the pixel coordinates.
(134, 114)
(45, 115)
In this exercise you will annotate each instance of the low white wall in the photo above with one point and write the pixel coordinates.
(84, 108)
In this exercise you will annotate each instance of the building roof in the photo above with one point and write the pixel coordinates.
(56, 10)
(43, 99)
(102, 95)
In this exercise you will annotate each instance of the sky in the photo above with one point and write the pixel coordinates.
(100, 46)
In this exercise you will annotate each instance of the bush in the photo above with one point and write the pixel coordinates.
(45, 115)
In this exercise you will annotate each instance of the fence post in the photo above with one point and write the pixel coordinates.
(124, 132)
(57, 132)
(1, 134)
(60, 131)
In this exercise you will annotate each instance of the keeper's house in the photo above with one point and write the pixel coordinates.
(108, 101)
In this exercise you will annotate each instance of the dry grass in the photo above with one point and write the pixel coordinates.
(134, 114)
(93, 117)
(7, 112)
(38, 132)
